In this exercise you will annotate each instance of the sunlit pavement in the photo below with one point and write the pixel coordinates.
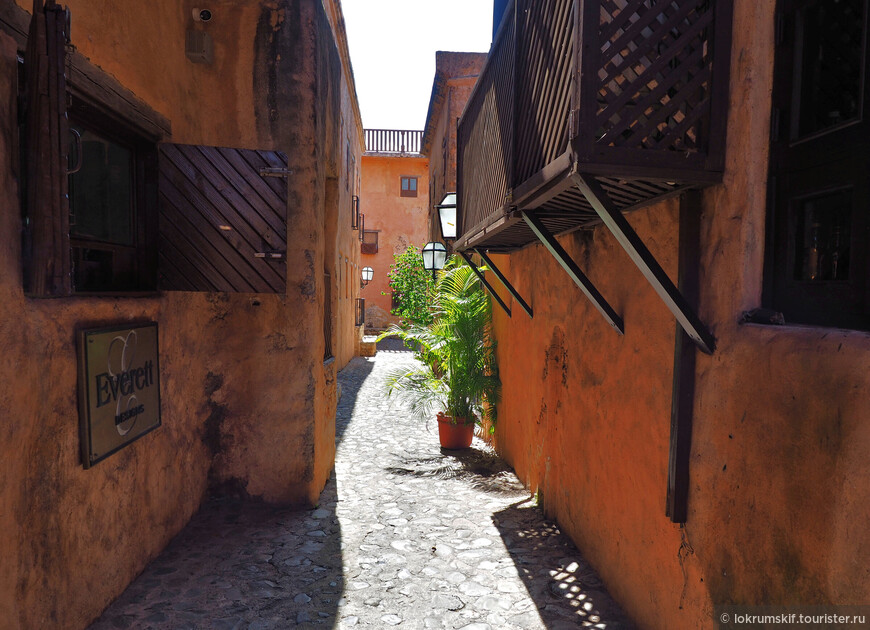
(406, 535)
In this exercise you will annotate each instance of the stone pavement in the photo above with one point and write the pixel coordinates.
(405, 536)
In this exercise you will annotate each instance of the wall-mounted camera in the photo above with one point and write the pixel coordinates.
(201, 15)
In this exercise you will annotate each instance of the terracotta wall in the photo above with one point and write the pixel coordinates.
(401, 221)
(780, 462)
(248, 402)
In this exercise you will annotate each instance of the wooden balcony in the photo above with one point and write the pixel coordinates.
(591, 102)
(393, 141)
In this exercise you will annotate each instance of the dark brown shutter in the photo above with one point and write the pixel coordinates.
(46, 238)
(223, 225)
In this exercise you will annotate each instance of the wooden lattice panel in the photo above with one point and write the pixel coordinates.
(654, 74)
(486, 138)
(545, 51)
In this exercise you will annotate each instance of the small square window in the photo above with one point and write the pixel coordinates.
(409, 186)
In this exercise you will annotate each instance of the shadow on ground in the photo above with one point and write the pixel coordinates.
(240, 565)
(392, 344)
(565, 588)
(480, 467)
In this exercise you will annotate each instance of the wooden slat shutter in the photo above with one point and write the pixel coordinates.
(46, 239)
(223, 225)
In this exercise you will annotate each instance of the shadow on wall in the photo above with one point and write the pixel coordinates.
(238, 563)
(566, 590)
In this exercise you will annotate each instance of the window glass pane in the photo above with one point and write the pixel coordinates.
(405, 183)
(823, 237)
(413, 183)
(831, 35)
(101, 192)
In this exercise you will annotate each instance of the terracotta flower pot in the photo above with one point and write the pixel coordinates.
(454, 435)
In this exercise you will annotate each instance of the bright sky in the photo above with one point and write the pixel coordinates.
(392, 50)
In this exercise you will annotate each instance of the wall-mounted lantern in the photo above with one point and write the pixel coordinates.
(447, 216)
(367, 274)
(434, 257)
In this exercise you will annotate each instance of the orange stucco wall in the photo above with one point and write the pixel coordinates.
(401, 221)
(780, 462)
(247, 400)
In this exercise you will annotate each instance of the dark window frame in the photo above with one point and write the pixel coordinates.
(360, 311)
(810, 166)
(327, 317)
(138, 260)
(407, 191)
(104, 105)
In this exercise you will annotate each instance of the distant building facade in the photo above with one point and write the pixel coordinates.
(394, 200)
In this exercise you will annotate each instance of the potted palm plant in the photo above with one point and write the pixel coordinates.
(456, 378)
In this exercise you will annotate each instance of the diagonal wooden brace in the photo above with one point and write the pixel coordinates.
(505, 281)
(645, 261)
(571, 268)
(485, 283)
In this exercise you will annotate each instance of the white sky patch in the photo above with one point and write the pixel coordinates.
(392, 49)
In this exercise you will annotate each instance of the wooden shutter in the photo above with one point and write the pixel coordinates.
(223, 225)
(46, 238)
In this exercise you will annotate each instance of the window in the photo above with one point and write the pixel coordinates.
(370, 242)
(360, 312)
(120, 212)
(88, 163)
(817, 258)
(354, 213)
(409, 186)
(348, 174)
(327, 316)
(110, 240)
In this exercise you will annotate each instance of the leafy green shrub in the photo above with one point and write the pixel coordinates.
(412, 287)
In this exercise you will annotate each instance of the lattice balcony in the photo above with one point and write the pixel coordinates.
(631, 94)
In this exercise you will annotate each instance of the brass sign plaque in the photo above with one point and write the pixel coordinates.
(119, 388)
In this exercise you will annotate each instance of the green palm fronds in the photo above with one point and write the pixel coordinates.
(458, 374)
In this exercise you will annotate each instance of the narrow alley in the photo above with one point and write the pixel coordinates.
(405, 535)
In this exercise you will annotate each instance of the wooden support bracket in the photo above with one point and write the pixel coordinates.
(505, 282)
(571, 268)
(488, 286)
(645, 261)
(683, 397)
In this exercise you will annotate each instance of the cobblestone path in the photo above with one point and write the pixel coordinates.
(406, 536)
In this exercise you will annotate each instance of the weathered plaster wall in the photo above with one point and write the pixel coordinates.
(781, 455)
(585, 413)
(780, 462)
(247, 402)
(401, 221)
